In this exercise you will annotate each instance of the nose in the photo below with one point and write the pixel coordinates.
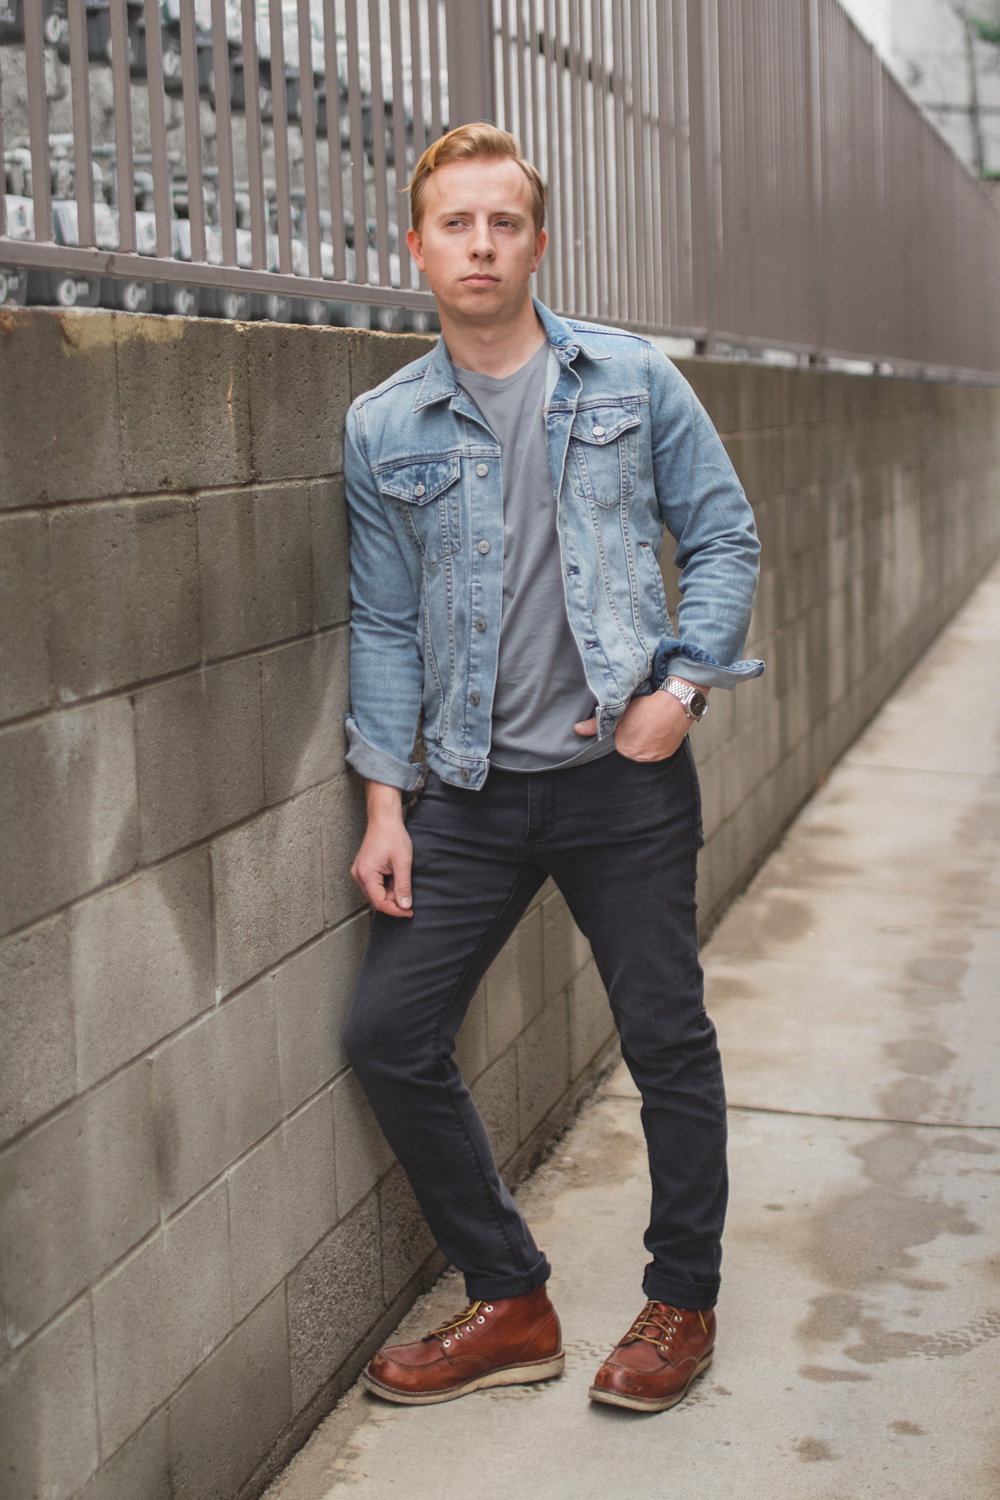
(481, 243)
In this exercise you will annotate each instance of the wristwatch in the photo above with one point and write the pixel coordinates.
(694, 701)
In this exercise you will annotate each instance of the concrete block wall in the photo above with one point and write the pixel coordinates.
(878, 508)
(202, 1232)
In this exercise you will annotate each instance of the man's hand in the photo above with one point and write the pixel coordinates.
(651, 728)
(385, 859)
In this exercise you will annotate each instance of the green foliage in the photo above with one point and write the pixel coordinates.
(987, 31)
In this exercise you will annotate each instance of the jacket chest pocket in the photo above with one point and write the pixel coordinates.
(427, 492)
(603, 449)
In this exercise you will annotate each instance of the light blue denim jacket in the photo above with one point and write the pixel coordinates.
(631, 450)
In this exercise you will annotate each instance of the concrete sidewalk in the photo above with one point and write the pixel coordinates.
(856, 987)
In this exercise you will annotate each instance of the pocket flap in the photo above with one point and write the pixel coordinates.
(604, 424)
(419, 480)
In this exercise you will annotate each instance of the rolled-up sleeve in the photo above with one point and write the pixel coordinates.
(706, 512)
(386, 667)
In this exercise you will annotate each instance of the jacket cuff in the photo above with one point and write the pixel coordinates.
(376, 764)
(676, 658)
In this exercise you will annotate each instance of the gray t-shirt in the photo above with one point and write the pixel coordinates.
(541, 688)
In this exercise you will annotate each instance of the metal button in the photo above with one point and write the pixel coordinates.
(482, 470)
(480, 625)
(420, 489)
(598, 431)
(474, 699)
(484, 547)
(466, 776)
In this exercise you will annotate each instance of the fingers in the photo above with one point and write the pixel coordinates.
(586, 726)
(386, 884)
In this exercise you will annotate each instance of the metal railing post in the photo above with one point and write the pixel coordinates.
(470, 61)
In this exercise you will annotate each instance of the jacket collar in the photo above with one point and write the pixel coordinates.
(439, 381)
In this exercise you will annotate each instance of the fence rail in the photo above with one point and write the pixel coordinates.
(737, 171)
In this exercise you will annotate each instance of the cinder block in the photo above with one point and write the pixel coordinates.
(713, 382)
(200, 754)
(343, 804)
(124, 593)
(591, 1024)
(472, 1052)
(59, 414)
(282, 1200)
(231, 1411)
(331, 547)
(141, 1467)
(406, 1239)
(565, 950)
(334, 1297)
(75, 1195)
(363, 1154)
(255, 566)
(159, 1315)
(37, 1051)
(376, 356)
(68, 808)
(542, 1065)
(305, 693)
(268, 880)
(48, 1412)
(312, 995)
(299, 395)
(495, 1093)
(182, 390)
(142, 962)
(25, 668)
(217, 1091)
(515, 990)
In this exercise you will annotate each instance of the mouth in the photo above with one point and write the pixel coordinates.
(480, 279)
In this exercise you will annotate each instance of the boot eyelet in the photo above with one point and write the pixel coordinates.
(489, 1307)
(480, 1319)
(458, 1335)
(447, 1343)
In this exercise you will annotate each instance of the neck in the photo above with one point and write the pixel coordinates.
(496, 348)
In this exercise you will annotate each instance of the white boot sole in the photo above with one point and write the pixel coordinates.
(546, 1369)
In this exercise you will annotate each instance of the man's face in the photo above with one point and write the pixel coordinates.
(477, 242)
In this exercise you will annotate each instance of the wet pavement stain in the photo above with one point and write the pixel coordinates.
(907, 1429)
(813, 1450)
(829, 1376)
(919, 1057)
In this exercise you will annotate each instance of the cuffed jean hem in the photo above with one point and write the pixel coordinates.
(679, 1294)
(495, 1288)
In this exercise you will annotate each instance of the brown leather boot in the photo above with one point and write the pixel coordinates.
(507, 1342)
(655, 1363)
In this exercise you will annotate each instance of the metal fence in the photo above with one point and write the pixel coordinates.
(738, 171)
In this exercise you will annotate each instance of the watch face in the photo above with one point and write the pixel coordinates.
(698, 706)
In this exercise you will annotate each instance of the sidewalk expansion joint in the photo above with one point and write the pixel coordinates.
(820, 1114)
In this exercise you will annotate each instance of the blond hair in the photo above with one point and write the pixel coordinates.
(479, 142)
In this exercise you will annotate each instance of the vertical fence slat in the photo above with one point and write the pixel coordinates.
(331, 56)
(255, 145)
(357, 145)
(192, 129)
(121, 84)
(3, 185)
(601, 255)
(38, 121)
(82, 159)
(157, 125)
(378, 142)
(578, 218)
(400, 203)
(279, 125)
(310, 167)
(434, 59)
(224, 132)
(419, 129)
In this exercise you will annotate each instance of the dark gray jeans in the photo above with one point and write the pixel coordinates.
(620, 839)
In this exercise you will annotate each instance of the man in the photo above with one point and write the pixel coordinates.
(508, 494)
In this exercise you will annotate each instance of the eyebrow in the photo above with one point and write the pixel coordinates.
(507, 213)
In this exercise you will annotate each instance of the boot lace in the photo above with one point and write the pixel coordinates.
(465, 1323)
(657, 1324)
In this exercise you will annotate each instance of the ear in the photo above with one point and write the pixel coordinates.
(540, 245)
(416, 248)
